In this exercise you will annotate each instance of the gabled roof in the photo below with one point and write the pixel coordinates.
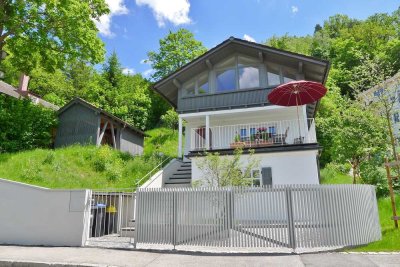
(80, 101)
(166, 87)
(10, 90)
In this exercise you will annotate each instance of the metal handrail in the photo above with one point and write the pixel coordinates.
(150, 172)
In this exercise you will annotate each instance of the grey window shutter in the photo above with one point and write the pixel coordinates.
(266, 175)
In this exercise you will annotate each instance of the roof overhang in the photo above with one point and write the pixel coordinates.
(314, 69)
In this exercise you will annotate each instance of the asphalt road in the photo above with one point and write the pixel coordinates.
(62, 256)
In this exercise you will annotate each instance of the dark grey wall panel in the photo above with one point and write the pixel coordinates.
(234, 99)
(78, 124)
(131, 142)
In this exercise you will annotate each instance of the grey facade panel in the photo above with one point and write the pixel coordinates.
(131, 143)
(77, 125)
(238, 98)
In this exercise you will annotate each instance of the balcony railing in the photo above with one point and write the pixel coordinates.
(253, 135)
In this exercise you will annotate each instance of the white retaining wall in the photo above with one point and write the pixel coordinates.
(31, 215)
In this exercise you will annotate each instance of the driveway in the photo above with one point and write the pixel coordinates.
(61, 256)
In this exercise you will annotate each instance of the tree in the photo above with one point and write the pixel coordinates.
(223, 171)
(358, 134)
(176, 49)
(51, 32)
(112, 70)
(170, 119)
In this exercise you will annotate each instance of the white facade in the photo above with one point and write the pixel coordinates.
(293, 167)
(389, 89)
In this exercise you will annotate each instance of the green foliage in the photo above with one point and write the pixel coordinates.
(349, 44)
(359, 133)
(218, 170)
(170, 119)
(176, 49)
(334, 173)
(88, 166)
(24, 125)
(162, 140)
(51, 33)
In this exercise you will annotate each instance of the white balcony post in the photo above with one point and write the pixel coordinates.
(180, 138)
(207, 132)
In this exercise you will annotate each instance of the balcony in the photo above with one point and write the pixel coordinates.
(254, 135)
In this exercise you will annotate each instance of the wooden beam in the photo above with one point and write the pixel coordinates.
(209, 65)
(261, 57)
(176, 83)
(391, 192)
(300, 70)
(102, 133)
(113, 135)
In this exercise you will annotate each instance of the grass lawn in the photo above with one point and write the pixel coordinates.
(390, 236)
(87, 166)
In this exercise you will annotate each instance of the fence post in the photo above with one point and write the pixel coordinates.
(289, 208)
(174, 217)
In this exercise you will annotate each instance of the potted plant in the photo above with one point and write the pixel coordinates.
(237, 143)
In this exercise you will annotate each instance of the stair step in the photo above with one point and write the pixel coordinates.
(180, 177)
(182, 173)
(128, 229)
(178, 182)
(178, 185)
(184, 169)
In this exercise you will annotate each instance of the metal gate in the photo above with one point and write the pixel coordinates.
(112, 218)
(299, 216)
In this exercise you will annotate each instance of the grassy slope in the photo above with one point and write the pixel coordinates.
(390, 236)
(87, 167)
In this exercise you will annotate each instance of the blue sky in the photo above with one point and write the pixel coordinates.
(134, 27)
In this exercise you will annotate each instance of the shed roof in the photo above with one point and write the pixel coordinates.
(317, 68)
(80, 101)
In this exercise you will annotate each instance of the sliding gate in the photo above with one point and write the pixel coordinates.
(278, 216)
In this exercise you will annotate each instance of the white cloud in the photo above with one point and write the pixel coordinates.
(117, 7)
(249, 38)
(128, 71)
(147, 73)
(174, 11)
(295, 9)
(145, 61)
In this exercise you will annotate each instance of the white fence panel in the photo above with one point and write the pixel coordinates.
(298, 216)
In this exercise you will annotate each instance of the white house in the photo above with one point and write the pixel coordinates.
(390, 86)
(221, 98)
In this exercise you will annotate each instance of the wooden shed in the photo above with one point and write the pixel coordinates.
(82, 123)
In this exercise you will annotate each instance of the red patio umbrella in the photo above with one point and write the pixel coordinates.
(297, 93)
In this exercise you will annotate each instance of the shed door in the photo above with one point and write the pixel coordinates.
(266, 175)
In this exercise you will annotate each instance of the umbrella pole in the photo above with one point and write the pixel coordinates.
(298, 120)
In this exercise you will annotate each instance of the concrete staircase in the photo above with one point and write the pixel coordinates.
(182, 177)
(128, 231)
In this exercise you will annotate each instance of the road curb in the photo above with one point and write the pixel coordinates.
(6, 263)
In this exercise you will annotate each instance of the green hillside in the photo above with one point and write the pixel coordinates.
(88, 166)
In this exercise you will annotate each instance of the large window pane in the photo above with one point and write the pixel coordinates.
(288, 76)
(189, 89)
(226, 80)
(273, 75)
(202, 84)
(249, 77)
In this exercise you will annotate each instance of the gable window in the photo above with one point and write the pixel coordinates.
(288, 75)
(249, 73)
(273, 74)
(237, 72)
(197, 86)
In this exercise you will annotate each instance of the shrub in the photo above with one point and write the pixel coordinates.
(170, 119)
(375, 175)
(104, 160)
(24, 125)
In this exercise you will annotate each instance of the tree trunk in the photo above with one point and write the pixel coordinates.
(354, 165)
